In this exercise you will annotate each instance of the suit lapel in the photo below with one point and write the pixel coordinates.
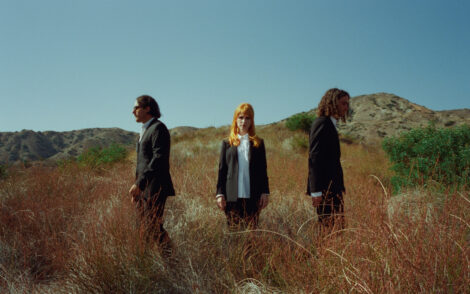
(235, 158)
(331, 125)
(145, 134)
(334, 137)
(250, 152)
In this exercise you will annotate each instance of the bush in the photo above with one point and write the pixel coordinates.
(300, 121)
(430, 154)
(99, 156)
(299, 142)
(3, 171)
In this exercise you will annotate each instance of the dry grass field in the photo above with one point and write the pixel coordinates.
(73, 230)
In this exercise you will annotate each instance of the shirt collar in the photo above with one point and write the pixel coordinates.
(334, 121)
(145, 125)
(244, 137)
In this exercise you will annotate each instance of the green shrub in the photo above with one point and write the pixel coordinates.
(299, 142)
(99, 156)
(430, 154)
(300, 121)
(3, 171)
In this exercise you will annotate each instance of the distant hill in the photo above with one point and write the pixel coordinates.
(380, 115)
(28, 145)
(372, 118)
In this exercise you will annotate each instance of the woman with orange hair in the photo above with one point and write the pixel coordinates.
(242, 185)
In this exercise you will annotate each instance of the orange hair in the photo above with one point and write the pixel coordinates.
(246, 109)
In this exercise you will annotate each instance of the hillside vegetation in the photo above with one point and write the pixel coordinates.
(373, 117)
(376, 116)
(27, 145)
(71, 229)
(431, 156)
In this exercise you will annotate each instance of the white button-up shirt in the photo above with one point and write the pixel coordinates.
(243, 151)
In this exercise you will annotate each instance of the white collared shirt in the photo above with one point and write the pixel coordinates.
(334, 121)
(144, 128)
(243, 151)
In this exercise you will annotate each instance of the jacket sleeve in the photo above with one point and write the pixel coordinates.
(316, 158)
(263, 170)
(160, 140)
(223, 168)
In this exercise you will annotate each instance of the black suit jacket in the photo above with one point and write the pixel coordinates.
(227, 183)
(153, 161)
(324, 167)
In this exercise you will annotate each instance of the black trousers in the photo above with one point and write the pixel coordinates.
(331, 210)
(150, 219)
(244, 213)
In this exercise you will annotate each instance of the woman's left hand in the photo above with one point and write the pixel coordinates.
(263, 201)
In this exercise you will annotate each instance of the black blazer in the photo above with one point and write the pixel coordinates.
(153, 161)
(227, 183)
(324, 167)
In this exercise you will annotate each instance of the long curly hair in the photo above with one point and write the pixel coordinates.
(328, 105)
(246, 109)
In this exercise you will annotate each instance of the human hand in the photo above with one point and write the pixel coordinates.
(221, 203)
(263, 201)
(134, 192)
(316, 201)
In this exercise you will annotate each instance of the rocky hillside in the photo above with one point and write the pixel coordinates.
(376, 116)
(372, 118)
(31, 146)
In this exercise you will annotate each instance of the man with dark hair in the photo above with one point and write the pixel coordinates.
(325, 174)
(146, 100)
(153, 182)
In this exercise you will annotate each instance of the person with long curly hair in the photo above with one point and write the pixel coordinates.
(242, 185)
(325, 174)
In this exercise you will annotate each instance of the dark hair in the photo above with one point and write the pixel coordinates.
(148, 101)
(328, 105)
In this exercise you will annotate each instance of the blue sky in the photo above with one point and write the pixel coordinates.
(67, 65)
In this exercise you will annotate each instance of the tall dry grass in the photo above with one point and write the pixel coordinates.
(73, 230)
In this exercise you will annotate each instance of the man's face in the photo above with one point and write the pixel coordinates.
(141, 114)
(343, 106)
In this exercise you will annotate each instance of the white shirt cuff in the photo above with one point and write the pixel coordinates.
(219, 195)
(316, 194)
